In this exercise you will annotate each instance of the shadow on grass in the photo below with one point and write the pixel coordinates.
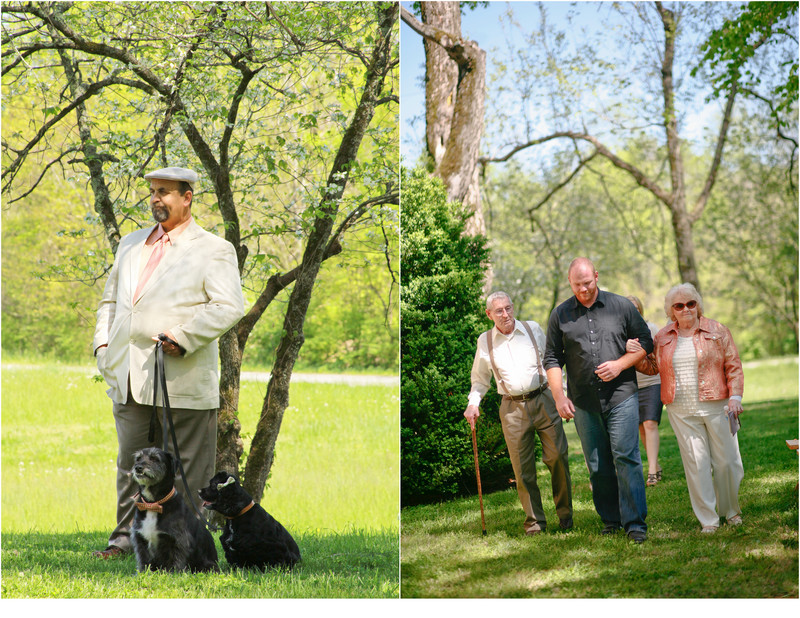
(444, 554)
(48, 565)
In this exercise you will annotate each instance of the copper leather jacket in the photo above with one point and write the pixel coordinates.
(719, 369)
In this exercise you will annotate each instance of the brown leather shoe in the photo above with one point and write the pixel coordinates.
(535, 528)
(112, 551)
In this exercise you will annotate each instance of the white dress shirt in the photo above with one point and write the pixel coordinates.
(516, 360)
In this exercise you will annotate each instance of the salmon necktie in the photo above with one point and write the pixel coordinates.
(155, 258)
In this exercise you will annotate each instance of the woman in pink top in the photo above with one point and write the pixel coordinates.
(701, 386)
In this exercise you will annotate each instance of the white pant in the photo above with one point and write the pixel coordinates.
(707, 446)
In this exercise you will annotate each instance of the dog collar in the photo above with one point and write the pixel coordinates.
(154, 506)
(243, 511)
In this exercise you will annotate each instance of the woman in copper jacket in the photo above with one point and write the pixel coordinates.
(701, 384)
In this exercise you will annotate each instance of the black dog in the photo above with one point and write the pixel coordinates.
(252, 537)
(165, 534)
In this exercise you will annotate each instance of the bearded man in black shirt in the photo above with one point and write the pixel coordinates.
(587, 333)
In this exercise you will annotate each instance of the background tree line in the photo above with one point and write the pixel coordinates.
(352, 323)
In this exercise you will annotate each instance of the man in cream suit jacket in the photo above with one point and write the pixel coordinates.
(177, 279)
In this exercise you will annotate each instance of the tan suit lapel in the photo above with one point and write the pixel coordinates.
(172, 258)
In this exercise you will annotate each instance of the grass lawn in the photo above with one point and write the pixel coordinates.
(334, 485)
(445, 556)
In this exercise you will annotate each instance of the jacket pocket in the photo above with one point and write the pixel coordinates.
(102, 357)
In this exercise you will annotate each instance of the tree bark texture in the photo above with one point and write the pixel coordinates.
(103, 204)
(454, 107)
(441, 78)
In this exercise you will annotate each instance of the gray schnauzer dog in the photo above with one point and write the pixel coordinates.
(252, 538)
(165, 534)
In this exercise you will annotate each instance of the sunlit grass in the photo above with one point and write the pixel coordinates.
(334, 484)
(444, 554)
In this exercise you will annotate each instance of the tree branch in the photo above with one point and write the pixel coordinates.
(445, 39)
(298, 43)
(639, 176)
(391, 98)
(561, 185)
(91, 90)
(700, 204)
(36, 182)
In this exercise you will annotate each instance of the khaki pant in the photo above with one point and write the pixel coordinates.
(712, 464)
(196, 431)
(521, 421)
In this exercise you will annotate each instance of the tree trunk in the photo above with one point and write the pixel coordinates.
(681, 222)
(229, 442)
(684, 244)
(262, 450)
(441, 78)
(454, 90)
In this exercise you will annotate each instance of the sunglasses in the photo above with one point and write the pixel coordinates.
(690, 305)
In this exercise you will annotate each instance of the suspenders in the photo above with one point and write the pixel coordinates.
(490, 345)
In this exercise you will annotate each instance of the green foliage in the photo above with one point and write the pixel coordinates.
(40, 314)
(353, 319)
(748, 238)
(441, 305)
(730, 51)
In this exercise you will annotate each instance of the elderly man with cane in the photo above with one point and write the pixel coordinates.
(513, 352)
(177, 282)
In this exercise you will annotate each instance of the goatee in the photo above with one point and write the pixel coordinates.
(160, 214)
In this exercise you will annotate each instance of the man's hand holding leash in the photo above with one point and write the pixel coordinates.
(169, 345)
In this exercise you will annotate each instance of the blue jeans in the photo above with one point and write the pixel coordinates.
(610, 442)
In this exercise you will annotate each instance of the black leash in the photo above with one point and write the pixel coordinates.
(167, 425)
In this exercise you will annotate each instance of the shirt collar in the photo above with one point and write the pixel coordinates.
(600, 300)
(517, 328)
(159, 231)
(703, 325)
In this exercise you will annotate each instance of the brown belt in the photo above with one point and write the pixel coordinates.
(526, 396)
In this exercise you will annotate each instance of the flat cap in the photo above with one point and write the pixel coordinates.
(174, 173)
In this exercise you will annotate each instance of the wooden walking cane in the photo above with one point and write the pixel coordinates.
(478, 475)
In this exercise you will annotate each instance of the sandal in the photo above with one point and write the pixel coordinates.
(658, 474)
(112, 551)
(652, 479)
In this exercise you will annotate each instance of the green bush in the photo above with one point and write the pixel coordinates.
(442, 307)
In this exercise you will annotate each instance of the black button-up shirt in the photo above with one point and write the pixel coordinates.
(584, 338)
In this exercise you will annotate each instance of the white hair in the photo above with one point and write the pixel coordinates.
(494, 296)
(687, 289)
